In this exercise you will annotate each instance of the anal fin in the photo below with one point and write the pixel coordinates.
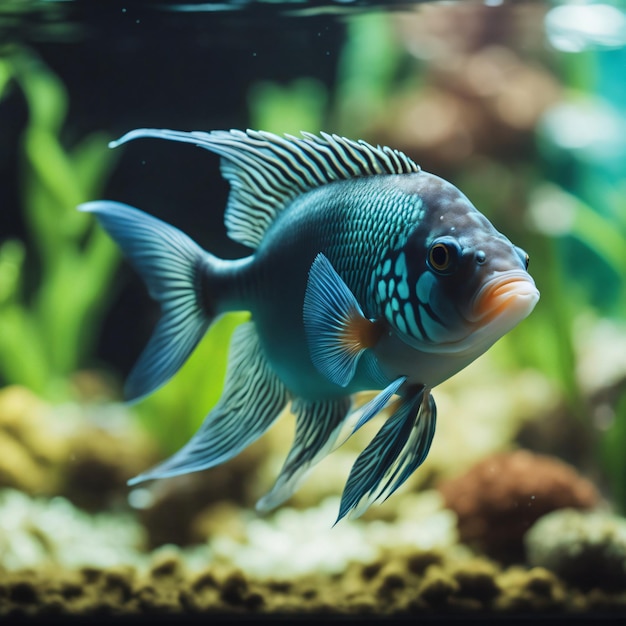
(252, 399)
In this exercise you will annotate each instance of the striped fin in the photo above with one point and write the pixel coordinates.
(172, 266)
(377, 404)
(318, 425)
(337, 332)
(267, 171)
(252, 399)
(359, 417)
(397, 450)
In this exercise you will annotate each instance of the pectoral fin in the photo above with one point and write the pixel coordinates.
(337, 332)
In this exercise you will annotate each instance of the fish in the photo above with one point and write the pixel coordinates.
(365, 273)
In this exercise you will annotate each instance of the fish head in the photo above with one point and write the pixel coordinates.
(456, 284)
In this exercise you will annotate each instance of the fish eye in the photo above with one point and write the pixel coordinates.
(442, 256)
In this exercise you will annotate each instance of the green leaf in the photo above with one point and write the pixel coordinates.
(51, 168)
(6, 74)
(54, 325)
(21, 357)
(299, 106)
(601, 235)
(613, 457)
(11, 262)
(92, 162)
(45, 93)
(367, 69)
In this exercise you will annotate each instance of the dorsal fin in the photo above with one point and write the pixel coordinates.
(267, 171)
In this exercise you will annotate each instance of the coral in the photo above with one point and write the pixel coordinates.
(105, 451)
(587, 549)
(498, 499)
(523, 590)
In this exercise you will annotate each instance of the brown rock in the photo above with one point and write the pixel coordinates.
(498, 499)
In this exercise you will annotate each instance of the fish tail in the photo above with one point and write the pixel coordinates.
(175, 270)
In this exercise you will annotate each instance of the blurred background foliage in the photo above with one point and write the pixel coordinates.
(519, 105)
(54, 286)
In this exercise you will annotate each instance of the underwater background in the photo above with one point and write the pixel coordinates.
(519, 508)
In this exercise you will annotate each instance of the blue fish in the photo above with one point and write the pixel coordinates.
(366, 273)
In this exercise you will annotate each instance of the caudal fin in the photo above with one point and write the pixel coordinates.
(171, 265)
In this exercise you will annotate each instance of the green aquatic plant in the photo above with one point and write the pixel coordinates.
(578, 258)
(54, 288)
(582, 141)
(358, 96)
(546, 341)
(288, 109)
(369, 70)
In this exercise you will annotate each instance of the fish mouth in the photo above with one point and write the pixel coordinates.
(500, 304)
(508, 297)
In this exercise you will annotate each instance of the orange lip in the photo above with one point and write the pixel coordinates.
(510, 292)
